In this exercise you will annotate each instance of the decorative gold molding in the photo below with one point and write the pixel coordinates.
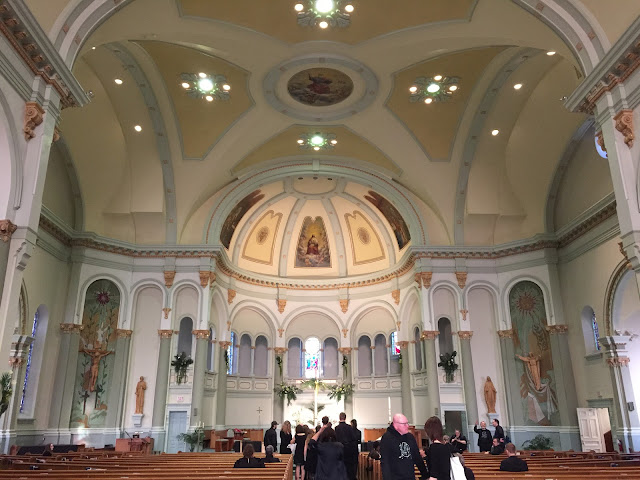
(464, 313)
(624, 124)
(465, 334)
(345, 350)
(344, 332)
(395, 294)
(33, 116)
(166, 311)
(280, 332)
(505, 333)
(282, 303)
(16, 362)
(165, 333)
(398, 323)
(169, 276)
(71, 328)
(344, 305)
(461, 278)
(201, 334)
(205, 277)
(280, 350)
(555, 329)
(618, 361)
(424, 279)
(7, 227)
(224, 344)
(600, 140)
(402, 344)
(228, 325)
(121, 333)
(231, 294)
(429, 334)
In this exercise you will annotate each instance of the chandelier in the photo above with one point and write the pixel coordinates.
(317, 141)
(433, 89)
(209, 87)
(324, 13)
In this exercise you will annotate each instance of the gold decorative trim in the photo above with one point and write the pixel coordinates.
(345, 350)
(461, 278)
(71, 328)
(555, 329)
(16, 362)
(166, 311)
(429, 334)
(165, 333)
(464, 313)
(600, 140)
(120, 333)
(224, 344)
(618, 361)
(395, 294)
(402, 344)
(201, 334)
(344, 305)
(624, 124)
(344, 332)
(280, 332)
(280, 350)
(282, 303)
(33, 116)
(205, 278)
(228, 325)
(231, 294)
(7, 227)
(465, 334)
(169, 276)
(505, 333)
(424, 279)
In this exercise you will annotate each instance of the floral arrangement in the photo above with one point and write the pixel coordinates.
(5, 391)
(290, 392)
(279, 362)
(338, 391)
(448, 363)
(181, 363)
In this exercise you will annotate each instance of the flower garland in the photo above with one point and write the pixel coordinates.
(181, 363)
(338, 391)
(290, 392)
(448, 363)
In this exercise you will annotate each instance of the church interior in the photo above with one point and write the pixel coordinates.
(216, 214)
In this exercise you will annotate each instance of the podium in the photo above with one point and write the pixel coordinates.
(144, 445)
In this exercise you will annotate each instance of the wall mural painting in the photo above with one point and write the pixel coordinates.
(320, 87)
(313, 244)
(534, 365)
(233, 219)
(398, 225)
(96, 355)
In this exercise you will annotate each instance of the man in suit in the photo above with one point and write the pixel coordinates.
(346, 435)
(270, 437)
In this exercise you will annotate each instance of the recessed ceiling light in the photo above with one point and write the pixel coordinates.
(437, 78)
(137, 128)
(348, 8)
(185, 85)
(324, 6)
(316, 148)
(298, 7)
(413, 89)
(93, 48)
(334, 142)
(495, 132)
(300, 142)
(323, 24)
(205, 85)
(202, 75)
(551, 53)
(118, 81)
(428, 100)
(209, 98)
(453, 88)
(517, 86)
(317, 140)
(226, 87)
(433, 88)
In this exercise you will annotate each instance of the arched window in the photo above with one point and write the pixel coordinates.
(380, 358)
(244, 356)
(445, 341)
(312, 358)
(231, 357)
(210, 351)
(260, 357)
(365, 364)
(596, 333)
(394, 354)
(330, 358)
(34, 360)
(393, 344)
(590, 330)
(185, 336)
(294, 358)
(418, 346)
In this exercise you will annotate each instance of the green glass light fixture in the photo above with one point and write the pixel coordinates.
(324, 13)
(438, 88)
(317, 141)
(202, 85)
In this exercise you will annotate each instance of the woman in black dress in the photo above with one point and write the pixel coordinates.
(298, 456)
(330, 455)
(285, 438)
(439, 454)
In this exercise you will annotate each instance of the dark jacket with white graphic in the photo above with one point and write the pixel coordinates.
(398, 455)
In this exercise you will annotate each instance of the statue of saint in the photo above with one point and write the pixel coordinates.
(490, 395)
(532, 362)
(140, 388)
(96, 353)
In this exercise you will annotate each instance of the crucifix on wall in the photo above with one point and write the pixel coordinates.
(259, 410)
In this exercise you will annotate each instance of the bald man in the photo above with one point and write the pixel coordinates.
(399, 452)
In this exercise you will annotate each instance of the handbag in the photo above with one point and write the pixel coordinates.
(457, 470)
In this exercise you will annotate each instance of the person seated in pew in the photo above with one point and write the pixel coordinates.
(459, 442)
(248, 460)
(374, 453)
(268, 455)
(468, 473)
(48, 450)
(512, 463)
(497, 448)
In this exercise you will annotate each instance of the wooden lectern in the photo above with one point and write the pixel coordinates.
(144, 445)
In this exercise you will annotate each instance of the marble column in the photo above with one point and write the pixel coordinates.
(511, 381)
(162, 379)
(433, 391)
(115, 399)
(468, 378)
(347, 372)
(62, 395)
(405, 381)
(565, 385)
(199, 368)
(221, 395)
(278, 377)
(7, 227)
(627, 410)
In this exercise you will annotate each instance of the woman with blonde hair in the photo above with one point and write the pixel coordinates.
(285, 437)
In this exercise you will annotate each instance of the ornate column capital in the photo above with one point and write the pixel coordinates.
(461, 277)
(33, 116)
(169, 276)
(505, 333)
(231, 294)
(71, 328)
(165, 333)
(624, 124)
(618, 361)
(280, 350)
(556, 329)
(429, 334)
(345, 350)
(224, 344)
(201, 334)
(424, 279)
(403, 344)
(120, 333)
(465, 334)
(7, 227)
(205, 278)
(16, 362)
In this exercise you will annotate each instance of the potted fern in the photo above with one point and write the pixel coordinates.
(181, 363)
(193, 439)
(5, 391)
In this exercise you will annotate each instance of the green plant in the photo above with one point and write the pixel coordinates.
(345, 362)
(192, 439)
(400, 361)
(290, 392)
(448, 363)
(226, 359)
(5, 391)
(181, 363)
(338, 391)
(279, 362)
(314, 383)
(539, 442)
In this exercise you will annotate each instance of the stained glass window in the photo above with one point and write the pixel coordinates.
(395, 349)
(230, 350)
(26, 373)
(312, 358)
(596, 334)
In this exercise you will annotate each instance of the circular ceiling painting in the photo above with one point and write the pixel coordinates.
(320, 87)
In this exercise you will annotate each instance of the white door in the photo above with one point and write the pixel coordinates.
(591, 434)
(177, 425)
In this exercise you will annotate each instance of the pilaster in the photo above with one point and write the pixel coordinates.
(278, 371)
(405, 382)
(468, 378)
(433, 390)
(162, 378)
(118, 384)
(199, 367)
(515, 412)
(221, 398)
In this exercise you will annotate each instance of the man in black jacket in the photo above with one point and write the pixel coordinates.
(499, 433)
(497, 448)
(270, 437)
(346, 435)
(512, 463)
(484, 437)
(399, 452)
